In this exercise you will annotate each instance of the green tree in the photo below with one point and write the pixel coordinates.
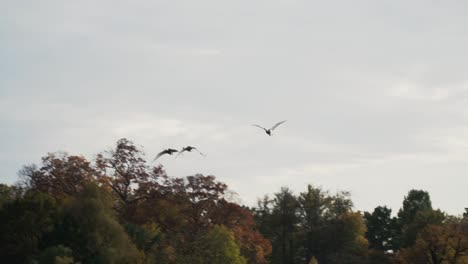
(9, 193)
(381, 228)
(285, 219)
(25, 224)
(217, 246)
(262, 213)
(414, 202)
(321, 214)
(57, 255)
(416, 214)
(147, 238)
(422, 219)
(91, 229)
(346, 240)
(314, 224)
(315, 211)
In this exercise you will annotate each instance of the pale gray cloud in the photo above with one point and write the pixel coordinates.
(375, 93)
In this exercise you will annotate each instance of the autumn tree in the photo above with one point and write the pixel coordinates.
(191, 206)
(240, 220)
(124, 170)
(422, 219)
(59, 175)
(440, 244)
(204, 194)
(118, 208)
(201, 200)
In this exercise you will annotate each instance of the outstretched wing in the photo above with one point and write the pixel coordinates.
(277, 124)
(160, 154)
(260, 127)
(200, 152)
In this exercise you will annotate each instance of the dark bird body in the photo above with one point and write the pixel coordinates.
(166, 151)
(268, 131)
(189, 149)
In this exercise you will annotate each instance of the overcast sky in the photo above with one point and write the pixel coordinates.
(375, 92)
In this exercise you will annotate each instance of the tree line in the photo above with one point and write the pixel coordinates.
(118, 209)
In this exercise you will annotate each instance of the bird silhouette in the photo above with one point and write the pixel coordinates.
(189, 149)
(166, 151)
(268, 131)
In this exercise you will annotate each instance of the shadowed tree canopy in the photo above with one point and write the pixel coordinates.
(320, 211)
(25, 222)
(57, 255)
(9, 193)
(312, 226)
(93, 231)
(285, 219)
(381, 228)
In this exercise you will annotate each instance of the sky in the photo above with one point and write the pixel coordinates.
(375, 93)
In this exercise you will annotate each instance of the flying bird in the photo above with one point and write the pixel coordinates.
(268, 131)
(189, 149)
(166, 151)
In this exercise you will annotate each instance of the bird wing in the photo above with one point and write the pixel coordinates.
(260, 127)
(277, 124)
(200, 152)
(160, 154)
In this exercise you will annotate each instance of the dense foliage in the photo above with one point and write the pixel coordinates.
(119, 209)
